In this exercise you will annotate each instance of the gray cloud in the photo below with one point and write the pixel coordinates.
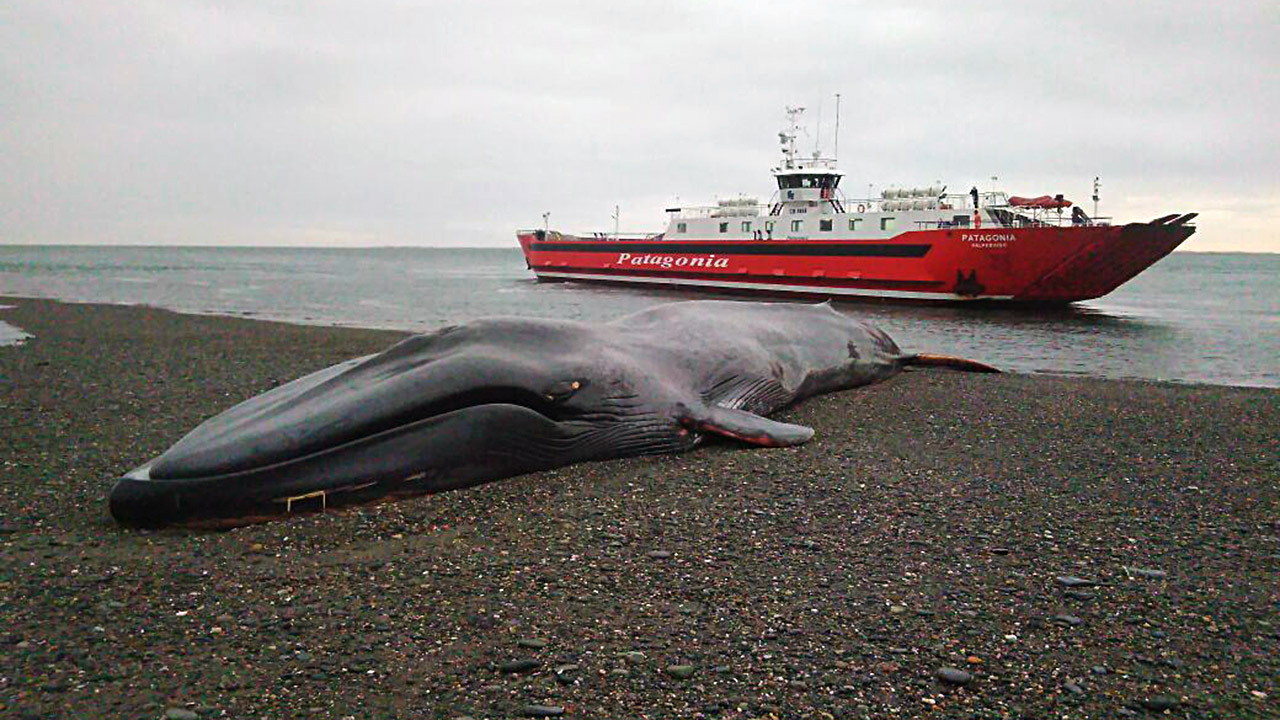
(454, 123)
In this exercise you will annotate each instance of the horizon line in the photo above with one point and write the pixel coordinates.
(436, 247)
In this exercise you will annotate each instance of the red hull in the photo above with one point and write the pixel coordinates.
(1025, 264)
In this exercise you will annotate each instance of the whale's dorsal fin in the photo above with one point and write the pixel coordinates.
(747, 427)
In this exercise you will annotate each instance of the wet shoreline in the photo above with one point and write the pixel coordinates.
(1191, 318)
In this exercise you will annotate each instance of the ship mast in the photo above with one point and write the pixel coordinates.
(835, 153)
(788, 137)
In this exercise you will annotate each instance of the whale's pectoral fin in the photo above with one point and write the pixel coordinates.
(748, 427)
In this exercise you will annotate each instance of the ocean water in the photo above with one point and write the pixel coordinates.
(1193, 318)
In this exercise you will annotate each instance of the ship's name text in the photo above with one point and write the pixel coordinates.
(987, 237)
(988, 240)
(670, 261)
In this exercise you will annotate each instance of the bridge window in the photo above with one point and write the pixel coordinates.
(853, 223)
(790, 182)
(824, 225)
(887, 223)
(682, 227)
(746, 227)
(724, 227)
(960, 220)
(797, 225)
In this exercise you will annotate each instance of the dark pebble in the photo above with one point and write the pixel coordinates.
(681, 672)
(1072, 581)
(1160, 703)
(955, 676)
(566, 674)
(519, 666)
(542, 711)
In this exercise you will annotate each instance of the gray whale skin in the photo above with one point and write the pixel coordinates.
(504, 396)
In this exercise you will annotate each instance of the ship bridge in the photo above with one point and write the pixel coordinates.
(811, 184)
(805, 184)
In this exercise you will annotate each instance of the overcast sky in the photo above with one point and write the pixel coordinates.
(455, 123)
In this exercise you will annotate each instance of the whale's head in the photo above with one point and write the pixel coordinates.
(460, 406)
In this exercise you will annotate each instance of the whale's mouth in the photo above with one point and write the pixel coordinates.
(266, 431)
(544, 405)
(172, 465)
(473, 399)
(455, 443)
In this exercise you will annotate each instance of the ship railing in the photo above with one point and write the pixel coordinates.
(997, 221)
(1055, 220)
(718, 211)
(609, 236)
(556, 235)
(1007, 216)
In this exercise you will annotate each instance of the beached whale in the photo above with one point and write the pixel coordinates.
(505, 396)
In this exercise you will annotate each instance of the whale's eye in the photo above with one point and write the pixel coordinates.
(562, 390)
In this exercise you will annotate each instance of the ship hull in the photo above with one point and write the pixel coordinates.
(961, 265)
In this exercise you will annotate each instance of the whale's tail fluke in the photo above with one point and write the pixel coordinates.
(957, 363)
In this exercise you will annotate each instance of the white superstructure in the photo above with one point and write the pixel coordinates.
(809, 205)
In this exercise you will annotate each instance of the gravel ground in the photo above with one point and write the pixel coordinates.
(949, 545)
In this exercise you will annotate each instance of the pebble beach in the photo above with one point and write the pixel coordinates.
(948, 545)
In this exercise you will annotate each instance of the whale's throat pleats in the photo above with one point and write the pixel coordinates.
(755, 394)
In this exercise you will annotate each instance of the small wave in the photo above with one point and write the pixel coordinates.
(10, 335)
(380, 304)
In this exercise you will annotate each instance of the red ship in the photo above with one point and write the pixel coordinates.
(915, 244)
